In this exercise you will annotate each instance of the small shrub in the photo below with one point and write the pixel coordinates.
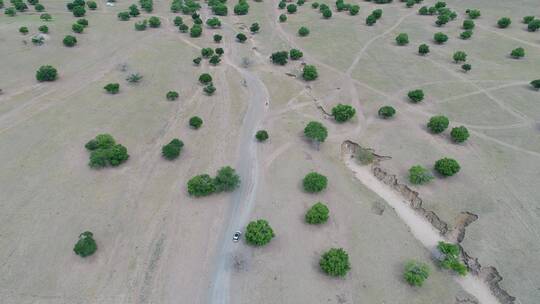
(335, 262)
(317, 214)
(518, 53)
(402, 39)
(303, 31)
(105, 152)
(291, 8)
(141, 25)
(295, 54)
(468, 24)
(44, 29)
(473, 13)
(535, 84)
(154, 22)
(209, 89)
(46, 73)
(450, 258)
(423, 49)
(386, 112)
(112, 88)
(459, 56)
(134, 78)
(172, 150)
(213, 22)
(440, 38)
(447, 166)
(279, 57)
(86, 245)
(23, 30)
(217, 38)
(365, 156)
(327, 14)
(207, 52)
(466, 67)
(255, 28)
(419, 175)
(314, 182)
(205, 78)
(504, 22)
(371, 20)
(10, 11)
(214, 60)
(416, 96)
(172, 95)
(195, 122)
(78, 11)
(123, 16)
(527, 19)
(343, 113)
(466, 35)
(45, 17)
(195, 31)
(377, 13)
(309, 72)
(438, 124)
(241, 37)
(226, 179)
(316, 131)
(259, 233)
(201, 185)
(261, 135)
(416, 273)
(282, 18)
(77, 28)
(92, 5)
(83, 22)
(39, 7)
(459, 134)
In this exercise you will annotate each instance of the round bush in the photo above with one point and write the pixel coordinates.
(172, 95)
(44, 29)
(303, 31)
(112, 88)
(438, 124)
(259, 233)
(292, 8)
(504, 22)
(23, 30)
(419, 175)
(402, 39)
(282, 18)
(459, 134)
(195, 122)
(241, 37)
(416, 273)
(46, 73)
(226, 179)
(295, 54)
(310, 72)
(201, 185)
(205, 78)
(466, 67)
(343, 113)
(423, 49)
(77, 28)
(86, 245)
(335, 262)
(535, 84)
(447, 166)
(518, 53)
(468, 24)
(460, 56)
(69, 41)
(440, 38)
(416, 96)
(172, 150)
(386, 112)
(316, 131)
(317, 214)
(314, 182)
(261, 135)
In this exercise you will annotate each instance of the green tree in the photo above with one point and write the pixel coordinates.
(112, 88)
(354, 10)
(45, 17)
(123, 16)
(504, 22)
(197, 60)
(295, 54)
(282, 18)
(217, 38)
(205, 78)
(309, 72)
(466, 67)
(78, 11)
(207, 52)
(261, 135)
(416, 273)
(536, 84)
(282, 4)
(438, 124)
(303, 31)
(377, 13)
(440, 38)
(442, 20)
(473, 13)
(518, 53)
(255, 28)
(416, 96)
(460, 56)
(314, 182)
(39, 7)
(83, 22)
(226, 179)
(195, 31)
(209, 89)
(219, 51)
(317, 214)
(343, 113)
(86, 245)
(201, 185)
(459, 134)
(172, 150)
(386, 112)
(46, 73)
(335, 262)
(279, 57)
(447, 166)
(527, 19)
(178, 20)
(10, 11)
(141, 25)
(183, 28)
(172, 95)
(327, 14)
(450, 258)
(154, 22)
(77, 28)
(468, 24)
(214, 60)
(315, 5)
(423, 49)
(316, 131)
(466, 35)
(370, 20)
(419, 175)
(402, 39)
(213, 22)
(44, 29)
(292, 8)
(242, 8)
(259, 233)
(23, 30)
(241, 37)
(134, 10)
(92, 5)
(220, 9)
(195, 122)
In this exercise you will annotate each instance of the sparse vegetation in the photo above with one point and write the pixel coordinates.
(423, 49)
(450, 258)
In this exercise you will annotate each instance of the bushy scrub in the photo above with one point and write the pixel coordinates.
(195, 122)
(172, 95)
(518, 53)
(279, 57)
(440, 38)
(112, 88)
(226, 180)
(343, 113)
(316, 131)
(402, 39)
(309, 72)
(419, 175)
(386, 112)
(259, 233)
(450, 258)
(317, 214)
(459, 134)
(46, 73)
(261, 135)
(335, 262)
(423, 49)
(104, 151)
(447, 166)
(438, 124)
(416, 96)
(415, 273)
(314, 182)
(172, 150)
(86, 245)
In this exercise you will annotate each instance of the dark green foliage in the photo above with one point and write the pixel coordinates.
(518, 53)
(466, 35)
(370, 20)
(335, 262)
(123, 16)
(300, 2)
(259, 233)
(377, 13)
(442, 20)
(447, 166)
(473, 13)
(86, 245)
(438, 124)
(241, 8)
(303, 31)
(316, 131)
(460, 56)
(440, 38)
(44, 29)
(416, 95)
(141, 25)
(195, 31)
(213, 22)
(354, 10)
(178, 20)
(255, 27)
(295, 54)
(327, 14)
(386, 112)
(292, 8)
(217, 38)
(205, 78)
(45, 17)
(209, 89)
(423, 49)
(504, 22)
(207, 52)
(310, 72)
(20, 6)
(112, 88)
(466, 67)
(195, 122)
(172, 150)
(317, 214)
(147, 5)
(261, 135)
(46, 73)
(536, 84)
(226, 179)
(82, 22)
(450, 258)
(197, 60)
(23, 30)
(315, 5)
(241, 37)
(219, 51)
(314, 182)
(282, 18)
(134, 10)
(201, 185)
(79, 11)
(214, 60)
(343, 113)
(419, 175)
(154, 22)
(416, 273)
(220, 9)
(92, 5)
(134, 78)
(172, 95)
(279, 57)
(184, 28)
(468, 24)
(77, 28)
(527, 19)
(402, 39)
(282, 4)
(37, 40)
(105, 152)
(459, 134)
(39, 7)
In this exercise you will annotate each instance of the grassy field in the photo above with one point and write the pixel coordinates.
(156, 244)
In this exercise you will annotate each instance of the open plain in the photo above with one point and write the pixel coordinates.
(158, 244)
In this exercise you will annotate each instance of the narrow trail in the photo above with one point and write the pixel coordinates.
(419, 226)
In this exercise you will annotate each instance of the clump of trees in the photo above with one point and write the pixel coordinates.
(259, 233)
(172, 150)
(416, 273)
(437, 124)
(317, 214)
(440, 38)
(447, 166)
(335, 262)
(402, 39)
(343, 113)
(104, 151)
(86, 245)
(261, 135)
(419, 175)
(195, 122)
(386, 112)
(112, 88)
(314, 182)
(309, 72)
(316, 132)
(459, 134)
(416, 96)
(518, 53)
(450, 258)
(504, 22)
(46, 73)
(226, 180)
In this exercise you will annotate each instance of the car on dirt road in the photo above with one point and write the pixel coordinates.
(236, 236)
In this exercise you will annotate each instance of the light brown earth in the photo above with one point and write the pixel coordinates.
(158, 245)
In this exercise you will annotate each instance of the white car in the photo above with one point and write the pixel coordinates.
(236, 236)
